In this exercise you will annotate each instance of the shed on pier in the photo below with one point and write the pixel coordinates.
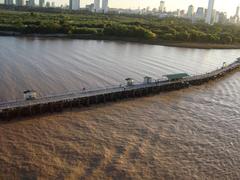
(175, 77)
(130, 81)
(30, 95)
(147, 80)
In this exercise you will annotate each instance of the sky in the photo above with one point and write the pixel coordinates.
(228, 6)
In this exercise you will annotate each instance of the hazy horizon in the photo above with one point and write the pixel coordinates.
(220, 5)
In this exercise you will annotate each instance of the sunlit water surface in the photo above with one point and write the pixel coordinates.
(188, 134)
(52, 66)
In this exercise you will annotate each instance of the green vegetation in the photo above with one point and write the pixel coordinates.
(138, 27)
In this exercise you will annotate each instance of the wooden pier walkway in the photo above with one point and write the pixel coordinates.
(57, 103)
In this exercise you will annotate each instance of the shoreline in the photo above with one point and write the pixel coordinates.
(192, 45)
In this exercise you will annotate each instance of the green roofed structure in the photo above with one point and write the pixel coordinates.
(175, 77)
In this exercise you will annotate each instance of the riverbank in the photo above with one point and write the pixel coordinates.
(193, 45)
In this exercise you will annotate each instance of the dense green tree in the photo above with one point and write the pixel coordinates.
(84, 30)
(226, 38)
(113, 25)
(128, 31)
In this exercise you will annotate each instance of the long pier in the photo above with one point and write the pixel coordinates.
(58, 103)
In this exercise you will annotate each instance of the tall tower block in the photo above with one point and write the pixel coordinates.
(210, 11)
(105, 6)
(96, 5)
(74, 4)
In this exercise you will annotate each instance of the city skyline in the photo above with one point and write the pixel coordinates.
(171, 5)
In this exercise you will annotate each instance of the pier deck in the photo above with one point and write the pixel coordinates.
(82, 98)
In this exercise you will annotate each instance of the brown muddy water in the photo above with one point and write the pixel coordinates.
(188, 134)
(52, 66)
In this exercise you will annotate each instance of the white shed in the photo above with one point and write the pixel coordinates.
(30, 95)
(147, 80)
(130, 81)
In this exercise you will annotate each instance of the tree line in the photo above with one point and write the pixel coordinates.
(140, 27)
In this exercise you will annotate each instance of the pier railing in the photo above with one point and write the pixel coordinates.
(159, 83)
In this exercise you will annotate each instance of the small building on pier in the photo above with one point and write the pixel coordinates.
(130, 81)
(147, 80)
(175, 77)
(30, 95)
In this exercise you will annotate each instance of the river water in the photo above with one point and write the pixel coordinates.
(188, 134)
(57, 66)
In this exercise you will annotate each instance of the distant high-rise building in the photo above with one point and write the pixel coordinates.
(41, 3)
(237, 11)
(48, 4)
(105, 6)
(19, 2)
(96, 5)
(178, 13)
(200, 14)
(190, 11)
(8, 2)
(236, 17)
(90, 7)
(53, 4)
(216, 20)
(162, 7)
(154, 10)
(214, 16)
(70, 4)
(222, 18)
(182, 13)
(148, 9)
(31, 3)
(210, 11)
(74, 4)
